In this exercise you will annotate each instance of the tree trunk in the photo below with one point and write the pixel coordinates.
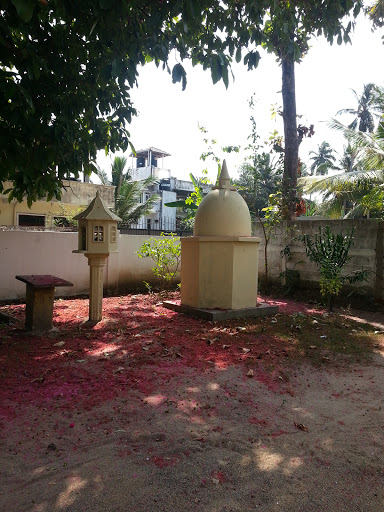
(291, 156)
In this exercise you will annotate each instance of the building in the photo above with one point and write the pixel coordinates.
(76, 195)
(150, 162)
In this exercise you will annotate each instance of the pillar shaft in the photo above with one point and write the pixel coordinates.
(96, 264)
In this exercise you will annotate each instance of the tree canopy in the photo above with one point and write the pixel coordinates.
(66, 71)
(67, 68)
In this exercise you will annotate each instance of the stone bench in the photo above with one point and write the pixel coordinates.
(39, 300)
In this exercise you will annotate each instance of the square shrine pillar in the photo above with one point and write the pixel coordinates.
(219, 272)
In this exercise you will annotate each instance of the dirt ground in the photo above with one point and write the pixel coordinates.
(154, 411)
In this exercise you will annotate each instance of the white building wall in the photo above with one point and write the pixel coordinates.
(168, 214)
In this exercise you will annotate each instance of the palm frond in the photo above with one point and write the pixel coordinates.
(332, 208)
(346, 111)
(348, 181)
(128, 204)
(102, 175)
(142, 209)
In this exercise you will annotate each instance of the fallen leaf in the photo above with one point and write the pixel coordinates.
(250, 373)
(59, 344)
(246, 350)
(300, 426)
(39, 379)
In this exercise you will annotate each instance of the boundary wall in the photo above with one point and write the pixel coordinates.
(367, 251)
(50, 252)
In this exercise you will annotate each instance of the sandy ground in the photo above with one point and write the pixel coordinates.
(208, 439)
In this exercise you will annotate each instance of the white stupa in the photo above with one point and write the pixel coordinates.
(219, 264)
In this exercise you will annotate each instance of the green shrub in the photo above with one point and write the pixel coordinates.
(329, 252)
(166, 254)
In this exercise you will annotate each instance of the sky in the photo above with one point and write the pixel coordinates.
(169, 117)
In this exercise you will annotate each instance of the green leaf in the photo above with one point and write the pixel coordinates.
(238, 54)
(176, 204)
(106, 4)
(179, 75)
(215, 69)
(225, 76)
(24, 9)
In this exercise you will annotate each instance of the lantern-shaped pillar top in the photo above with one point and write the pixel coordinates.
(97, 228)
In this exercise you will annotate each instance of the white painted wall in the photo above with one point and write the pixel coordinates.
(50, 252)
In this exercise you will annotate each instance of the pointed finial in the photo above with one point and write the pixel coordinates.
(224, 179)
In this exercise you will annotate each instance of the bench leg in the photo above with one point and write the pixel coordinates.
(39, 308)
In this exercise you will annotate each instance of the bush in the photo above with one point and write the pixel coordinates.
(329, 252)
(166, 253)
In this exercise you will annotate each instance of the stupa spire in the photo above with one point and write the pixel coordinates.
(224, 179)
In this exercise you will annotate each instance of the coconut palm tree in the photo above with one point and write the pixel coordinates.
(349, 161)
(362, 185)
(364, 112)
(129, 202)
(323, 159)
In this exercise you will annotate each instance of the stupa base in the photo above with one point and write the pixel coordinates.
(218, 315)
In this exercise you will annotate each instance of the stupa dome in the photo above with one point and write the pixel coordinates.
(223, 212)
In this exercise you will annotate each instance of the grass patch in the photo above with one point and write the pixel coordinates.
(317, 339)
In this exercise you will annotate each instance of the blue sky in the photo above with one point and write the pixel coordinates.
(168, 117)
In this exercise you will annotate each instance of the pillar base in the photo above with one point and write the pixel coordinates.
(219, 272)
(217, 315)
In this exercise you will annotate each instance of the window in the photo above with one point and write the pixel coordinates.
(113, 235)
(98, 234)
(31, 220)
(83, 238)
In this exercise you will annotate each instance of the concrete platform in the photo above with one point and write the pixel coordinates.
(217, 315)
